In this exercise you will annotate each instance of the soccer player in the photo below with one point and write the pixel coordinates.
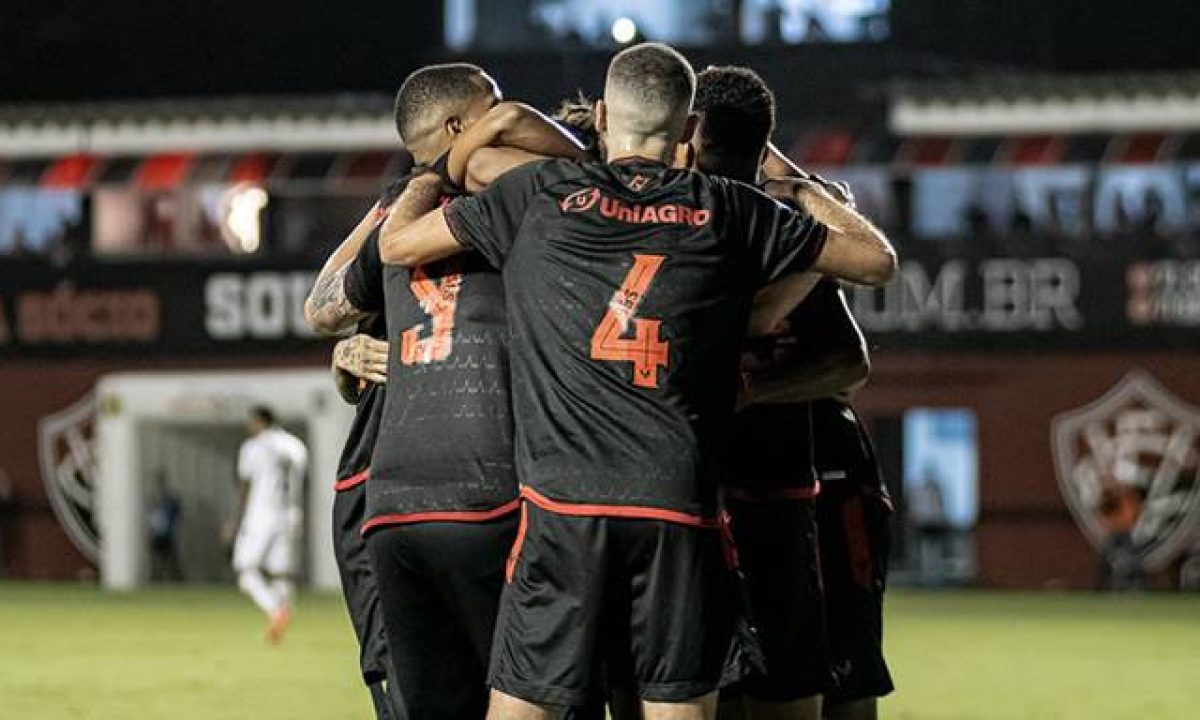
(854, 514)
(816, 354)
(628, 288)
(271, 467)
(770, 493)
(441, 500)
(853, 508)
(360, 368)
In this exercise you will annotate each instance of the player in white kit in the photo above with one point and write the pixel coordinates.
(271, 468)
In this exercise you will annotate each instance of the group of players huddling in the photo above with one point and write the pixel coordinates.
(600, 372)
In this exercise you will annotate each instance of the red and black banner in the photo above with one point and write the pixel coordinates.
(1099, 301)
(154, 309)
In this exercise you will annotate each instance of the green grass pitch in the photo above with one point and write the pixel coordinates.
(197, 654)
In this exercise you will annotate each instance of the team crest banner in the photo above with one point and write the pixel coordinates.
(66, 450)
(1137, 437)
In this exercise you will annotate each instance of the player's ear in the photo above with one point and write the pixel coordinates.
(453, 125)
(601, 117)
(689, 127)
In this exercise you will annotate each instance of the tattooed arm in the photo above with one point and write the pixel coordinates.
(412, 209)
(327, 309)
(359, 358)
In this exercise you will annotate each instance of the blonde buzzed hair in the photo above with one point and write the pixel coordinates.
(649, 88)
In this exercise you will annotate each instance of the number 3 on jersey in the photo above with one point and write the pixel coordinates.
(439, 299)
(646, 350)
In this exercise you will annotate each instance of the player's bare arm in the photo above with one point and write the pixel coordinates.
(363, 357)
(855, 250)
(777, 165)
(358, 358)
(773, 303)
(487, 164)
(327, 310)
(812, 360)
(413, 235)
(509, 125)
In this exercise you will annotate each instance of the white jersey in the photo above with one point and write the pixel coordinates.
(274, 462)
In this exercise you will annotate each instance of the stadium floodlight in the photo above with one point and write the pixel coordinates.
(243, 228)
(624, 30)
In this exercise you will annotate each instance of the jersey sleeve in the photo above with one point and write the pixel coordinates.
(781, 238)
(364, 277)
(299, 455)
(489, 222)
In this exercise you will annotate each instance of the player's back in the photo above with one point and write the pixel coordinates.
(274, 463)
(445, 429)
(629, 290)
(292, 453)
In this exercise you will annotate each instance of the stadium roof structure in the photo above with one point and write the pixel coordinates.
(1009, 104)
(834, 147)
(341, 140)
(280, 124)
(371, 167)
(161, 172)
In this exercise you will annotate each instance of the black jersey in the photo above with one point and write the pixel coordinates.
(444, 449)
(629, 287)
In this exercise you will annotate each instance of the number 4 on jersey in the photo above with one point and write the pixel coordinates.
(645, 349)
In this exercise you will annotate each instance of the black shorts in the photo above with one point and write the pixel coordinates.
(854, 525)
(578, 584)
(358, 581)
(439, 588)
(776, 544)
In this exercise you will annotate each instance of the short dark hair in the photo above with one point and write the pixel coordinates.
(263, 414)
(578, 115)
(435, 89)
(654, 76)
(738, 111)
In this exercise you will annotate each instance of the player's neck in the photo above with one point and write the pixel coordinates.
(653, 148)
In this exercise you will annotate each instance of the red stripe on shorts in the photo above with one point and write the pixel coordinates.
(635, 512)
(441, 516)
(353, 481)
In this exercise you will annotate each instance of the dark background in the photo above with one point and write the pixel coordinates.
(72, 50)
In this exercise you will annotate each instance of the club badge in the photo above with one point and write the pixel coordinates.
(1129, 460)
(66, 450)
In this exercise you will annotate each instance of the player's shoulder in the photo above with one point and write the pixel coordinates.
(250, 450)
(549, 171)
(734, 192)
(285, 439)
(537, 177)
(296, 445)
